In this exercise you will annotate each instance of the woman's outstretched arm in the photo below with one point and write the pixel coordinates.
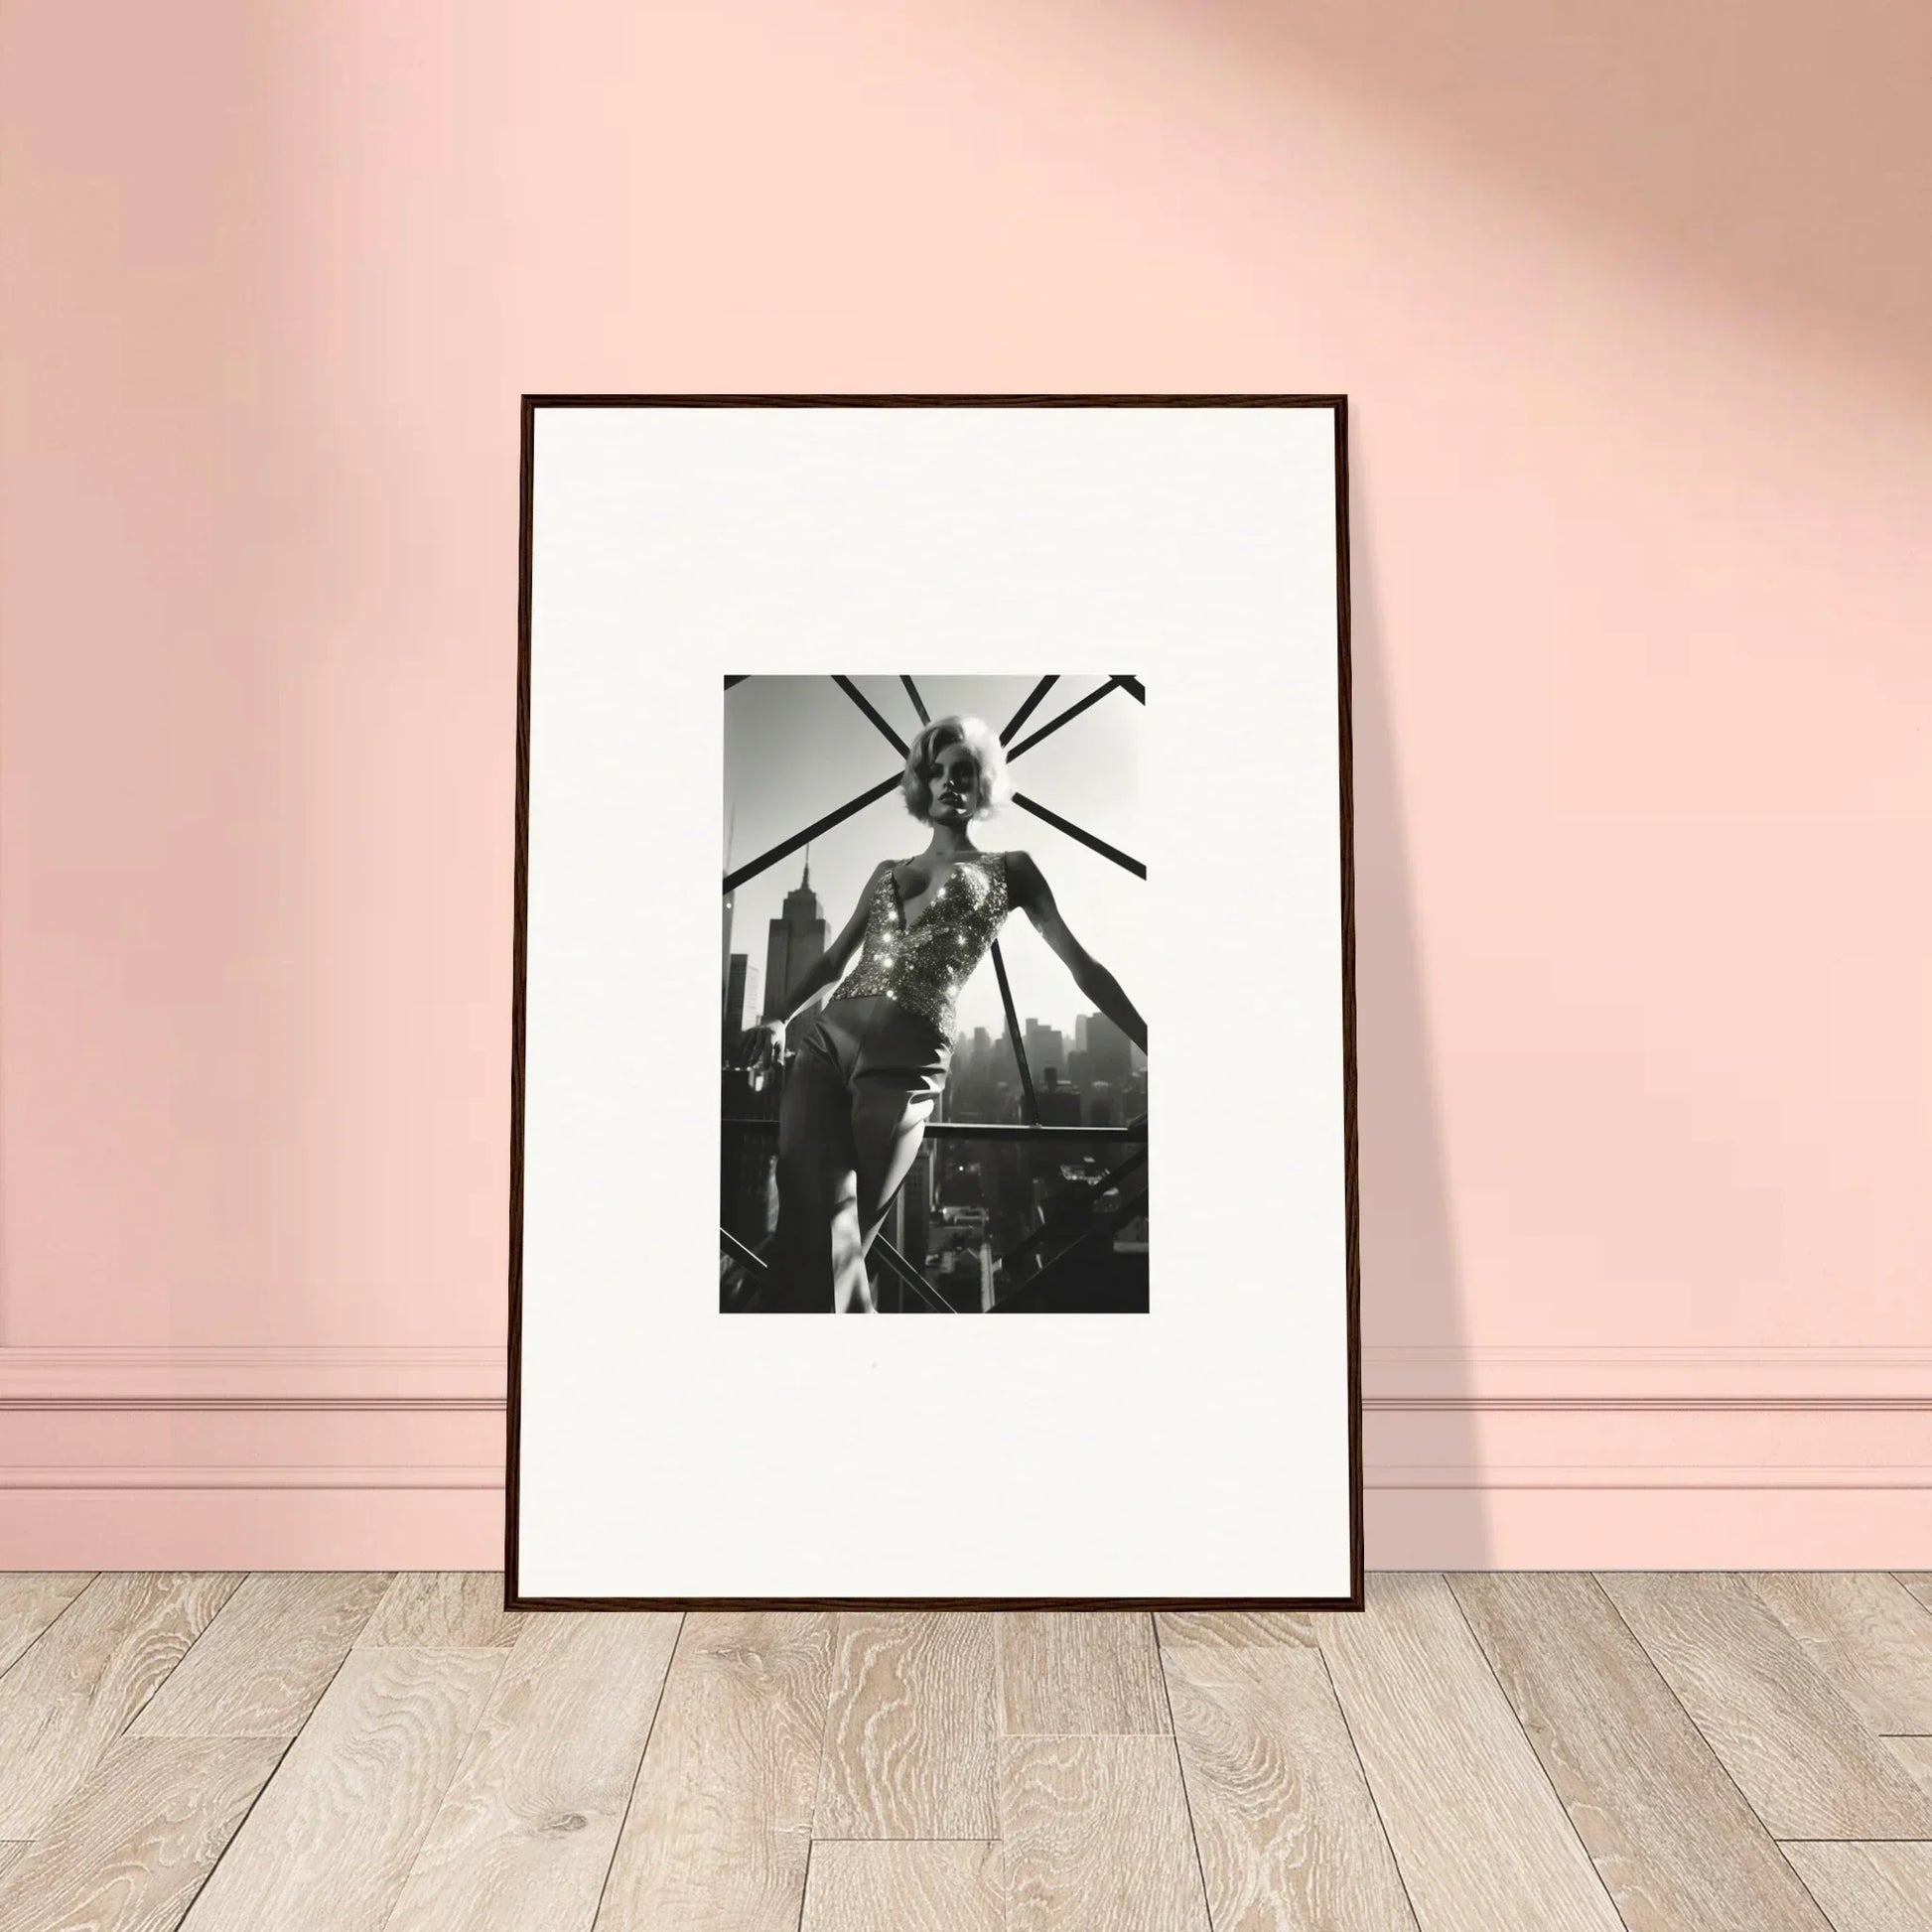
(1035, 897)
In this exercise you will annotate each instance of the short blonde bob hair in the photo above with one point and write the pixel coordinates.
(979, 737)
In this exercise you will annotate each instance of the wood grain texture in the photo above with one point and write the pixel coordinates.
(438, 1609)
(1669, 1836)
(257, 1670)
(719, 1827)
(1480, 1839)
(1919, 1582)
(1915, 1754)
(1865, 1635)
(30, 1601)
(886, 1886)
(1096, 1836)
(1236, 1629)
(1080, 1673)
(330, 1843)
(11, 1852)
(1869, 1887)
(1287, 1831)
(72, 1693)
(130, 1848)
(910, 1732)
(1795, 1747)
(524, 1838)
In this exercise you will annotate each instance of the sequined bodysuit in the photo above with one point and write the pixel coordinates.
(923, 965)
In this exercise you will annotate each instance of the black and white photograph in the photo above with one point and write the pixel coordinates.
(934, 1077)
(1014, 731)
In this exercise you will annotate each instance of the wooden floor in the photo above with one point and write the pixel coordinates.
(1557, 1753)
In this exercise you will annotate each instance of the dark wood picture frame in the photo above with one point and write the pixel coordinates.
(514, 1598)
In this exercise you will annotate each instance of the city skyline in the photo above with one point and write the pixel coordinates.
(796, 747)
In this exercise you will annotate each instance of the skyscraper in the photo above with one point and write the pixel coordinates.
(734, 1020)
(797, 942)
(1106, 1049)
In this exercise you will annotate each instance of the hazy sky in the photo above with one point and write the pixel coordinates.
(796, 747)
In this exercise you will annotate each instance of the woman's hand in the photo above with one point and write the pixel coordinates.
(761, 1046)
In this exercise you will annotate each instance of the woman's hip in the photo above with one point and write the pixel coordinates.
(872, 1034)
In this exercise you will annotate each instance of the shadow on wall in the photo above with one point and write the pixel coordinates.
(1411, 1285)
(1774, 149)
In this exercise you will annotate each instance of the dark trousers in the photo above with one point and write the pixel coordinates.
(857, 1098)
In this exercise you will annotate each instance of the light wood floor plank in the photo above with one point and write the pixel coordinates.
(30, 1601)
(1869, 1887)
(910, 1735)
(1236, 1629)
(329, 1845)
(1796, 1748)
(524, 1838)
(1085, 1673)
(127, 1852)
(1919, 1582)
(443, 1609)
(1479, 1837)
(888, 1887)
(720, 1823)
(1916, 1753)
(1096, 1837)
(257, 1670)
(1287, 1831)
(76, 1690)
(1672, 1839)
(11, 1852)
(1865, 1635)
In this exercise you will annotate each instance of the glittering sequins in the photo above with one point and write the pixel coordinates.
(923, 963)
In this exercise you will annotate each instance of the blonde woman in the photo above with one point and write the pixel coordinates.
(874, 1059)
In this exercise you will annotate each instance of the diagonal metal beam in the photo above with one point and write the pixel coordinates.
(1073, 831)
(1067, 717)
(918, 703)
(732, 1245)
(1129, 1208)
(1134, 688)
(1061, 1212)
(1026, 711)
(910, 1274)
(1013, 1033)
(811, 831)
(872, 710)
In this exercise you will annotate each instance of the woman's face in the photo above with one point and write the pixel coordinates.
(952, 785)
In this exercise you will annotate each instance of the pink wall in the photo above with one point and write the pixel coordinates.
(1631, 306)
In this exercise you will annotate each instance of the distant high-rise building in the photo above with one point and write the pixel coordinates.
(1045, 1046)
(1059, 1105)
(735, 1021)
(1107, 1050)
(797, 943)
(749, 1193)
(979, 1054)
(1080, 1033)
(913, 1208)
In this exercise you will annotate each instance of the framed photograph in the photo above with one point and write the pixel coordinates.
(842, 653)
